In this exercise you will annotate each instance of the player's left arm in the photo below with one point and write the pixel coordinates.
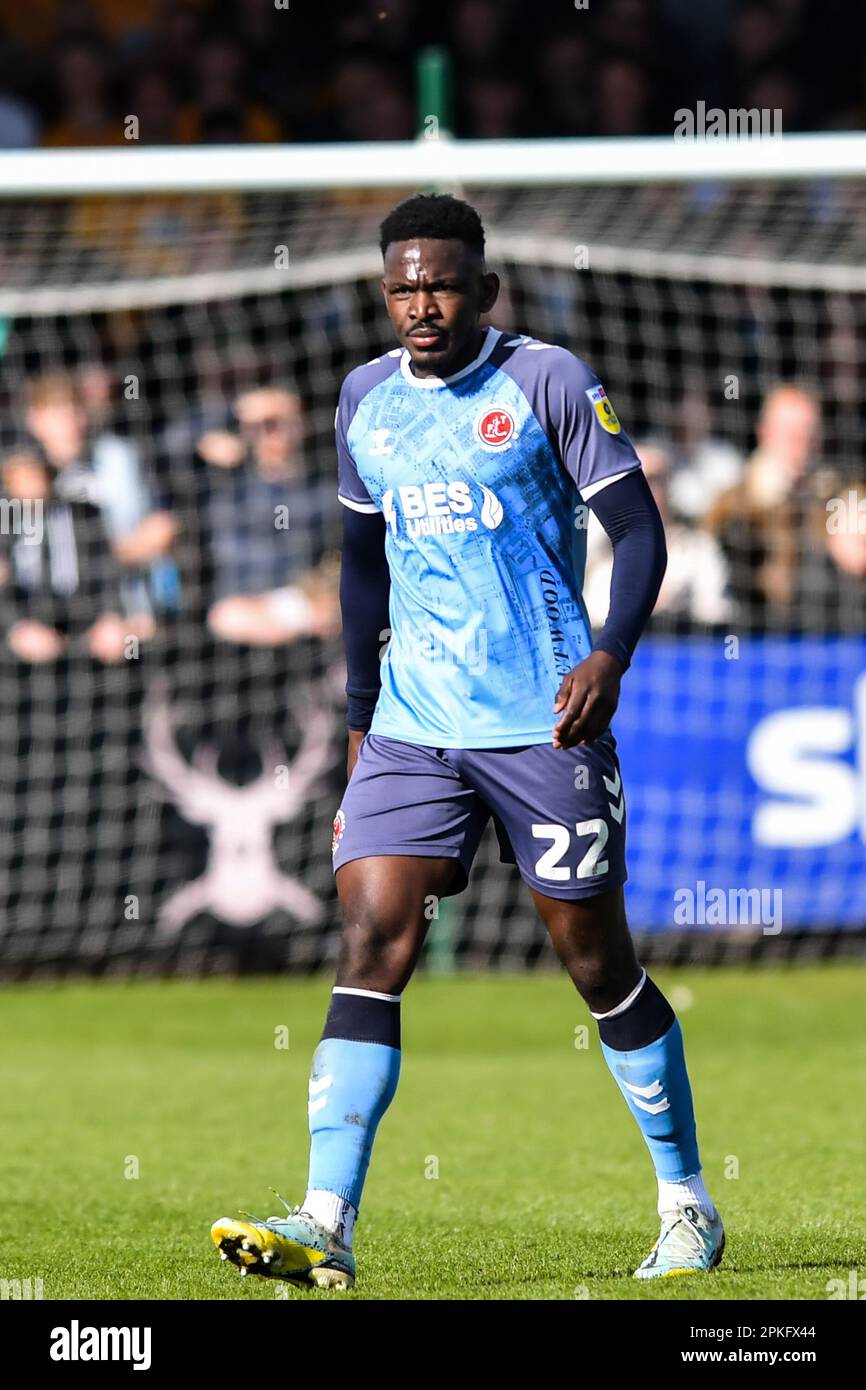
(589, 693)
(601, 459)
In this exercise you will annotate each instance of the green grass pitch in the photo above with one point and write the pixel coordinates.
(544, 1188)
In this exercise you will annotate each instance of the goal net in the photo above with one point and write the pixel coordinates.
(174, 332)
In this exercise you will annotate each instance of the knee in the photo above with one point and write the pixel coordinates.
(598, 985)
(601, 981)
(377, 943)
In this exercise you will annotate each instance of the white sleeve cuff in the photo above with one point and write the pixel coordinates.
(593, 488)
(357, 506)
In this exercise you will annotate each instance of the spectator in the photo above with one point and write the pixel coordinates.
(62, 588)
(695, 586)
(152, 100)
(565, 70)
(19, 124)
(778, 89)
(85, 114)
(702, 465)
(100, 467)
(481, 35)
(219, 86)
(128, 23)
(760, 521)
(830, 589)
(265, 526)
(626, 28)
(494, 107)
(623, 95)
(278, 59)
(142, 537)
(370, 103)
(19, 116)
(177, 38)
(757, 38)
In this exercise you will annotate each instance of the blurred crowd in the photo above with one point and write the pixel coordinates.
(773, 541)
(230, 528)
(228, 71)
(222, 530)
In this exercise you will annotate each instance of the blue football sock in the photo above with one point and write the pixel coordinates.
(352, 1082)
(643, 1046)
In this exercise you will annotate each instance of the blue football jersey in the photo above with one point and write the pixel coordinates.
(482, 479)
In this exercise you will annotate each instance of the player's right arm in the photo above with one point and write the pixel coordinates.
(365, 587)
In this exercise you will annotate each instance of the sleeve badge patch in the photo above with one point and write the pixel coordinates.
(604, 410)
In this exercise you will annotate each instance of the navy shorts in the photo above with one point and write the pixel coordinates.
(559, 813)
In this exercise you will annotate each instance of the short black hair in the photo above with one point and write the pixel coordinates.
(436, 215)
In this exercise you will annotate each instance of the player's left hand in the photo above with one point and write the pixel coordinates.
(587, 697)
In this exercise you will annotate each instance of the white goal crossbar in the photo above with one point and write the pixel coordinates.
(410, 164)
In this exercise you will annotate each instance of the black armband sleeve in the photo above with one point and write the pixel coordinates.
(627, 510)
(365, 590)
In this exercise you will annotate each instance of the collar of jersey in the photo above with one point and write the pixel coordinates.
(434, 382)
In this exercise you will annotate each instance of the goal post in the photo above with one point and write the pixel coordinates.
(169, 809)
(406, 164)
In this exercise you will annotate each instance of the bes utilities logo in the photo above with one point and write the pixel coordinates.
(436, 509)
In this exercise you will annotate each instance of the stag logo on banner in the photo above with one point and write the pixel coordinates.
(242, 883)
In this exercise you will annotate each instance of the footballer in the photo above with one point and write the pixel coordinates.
(466, 457)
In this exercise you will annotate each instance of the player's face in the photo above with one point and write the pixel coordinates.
(435, 293)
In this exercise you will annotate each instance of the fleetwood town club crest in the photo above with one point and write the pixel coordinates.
(495, 427)
(339, 827)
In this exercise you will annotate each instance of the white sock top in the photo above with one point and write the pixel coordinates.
(627, 1002)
